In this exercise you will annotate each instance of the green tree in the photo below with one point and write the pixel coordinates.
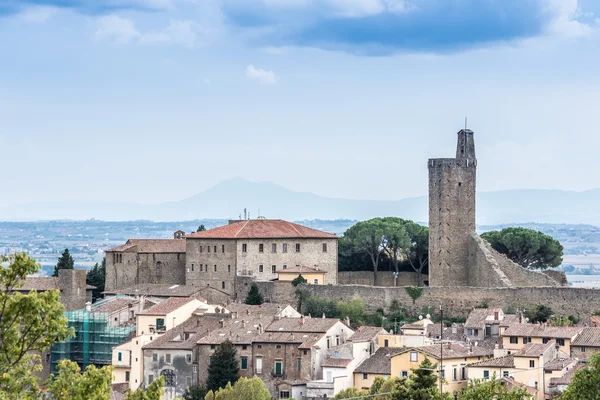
(194, 392)
(585, 384)
(355, 310)
(350, 393)
(29, 324)
(396, 241)
(418, 252)
(529, 248)
(201, 228)
(154, 391)
(424, 377)
(299, 280)
(561, 321)
(414, 292)
(318, 306)
(254, 297)
(71, 383)
(377, 384)
(223, 367)
(244, 389)
(492, 389)
(96, 276)
(368, 237)
(65, 261)
(540, 313)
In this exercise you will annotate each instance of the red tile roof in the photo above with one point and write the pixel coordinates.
(588, 337)
(536, 330)
(169, 305)
(261, 229)
(534, 349)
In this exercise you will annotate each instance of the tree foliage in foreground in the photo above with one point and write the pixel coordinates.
(70, 383)
(585, 384)
(492, 389)
(154, 391)
(244, 389)
(529, 248)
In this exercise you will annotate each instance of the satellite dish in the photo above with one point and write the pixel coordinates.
(526, 319)
(420, 317)
(428, 316)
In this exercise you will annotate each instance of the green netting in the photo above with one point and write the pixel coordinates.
(94, 339)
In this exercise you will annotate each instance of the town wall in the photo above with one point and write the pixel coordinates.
(384, 278)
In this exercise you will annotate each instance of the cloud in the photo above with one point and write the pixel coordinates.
(38, 14)
(121, 30)
(261, 75)
(383, 27)
(92, 7)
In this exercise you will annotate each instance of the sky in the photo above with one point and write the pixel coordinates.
(156, 100)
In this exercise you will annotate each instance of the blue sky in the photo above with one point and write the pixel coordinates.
(156, 100)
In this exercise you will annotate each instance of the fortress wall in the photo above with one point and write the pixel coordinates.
(488, 268)
(384, 278)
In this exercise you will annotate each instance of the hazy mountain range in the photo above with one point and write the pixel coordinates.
(228, 199)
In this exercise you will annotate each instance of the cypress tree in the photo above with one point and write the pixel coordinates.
(254, 297)
(65, 261)
(223, 368)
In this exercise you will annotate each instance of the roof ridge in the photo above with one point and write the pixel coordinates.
(242, 228)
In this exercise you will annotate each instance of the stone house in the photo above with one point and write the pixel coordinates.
(260, 248)
(378, 365)
(585, 344)
(141, 261)
(484, 322)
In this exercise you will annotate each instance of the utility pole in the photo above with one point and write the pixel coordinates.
(441, 348)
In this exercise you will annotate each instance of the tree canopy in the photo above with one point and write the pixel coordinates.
(299, 280)
(254, 297)
(65, 261)
(201, 228)
(244, 389)
(529, 248)
(96, 276)
(223, 368)
(71, 383)
(492, 389)
(585, 384)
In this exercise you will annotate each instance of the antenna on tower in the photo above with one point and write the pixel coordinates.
(465, 123)
(245, 214)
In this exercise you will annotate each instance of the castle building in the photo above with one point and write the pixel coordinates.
(260, 248)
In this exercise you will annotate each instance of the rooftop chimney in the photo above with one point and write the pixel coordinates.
(243, 324)
(454, 329)
(302, 320)
(88, 306)
(323, 316)
(221, 323)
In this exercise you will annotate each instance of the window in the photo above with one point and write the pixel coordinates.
(160, 324)
(154, 357)
(119, 356)
(413, 356)
(229, 268)
(505, 373)
(329, 376)
(488, 331)
(195, 369)
(298, 365)
(169, 375)
(284, 266)
(244, 248)
(244, 363)
(582, 349)
(531, 363)
(386, 343)
(127, 374)
(324, 247)
(222, 284)
(443, 374)
(188, 357)
(278, 346)
(244, 347)
(158, 268)
(192, 267)
(215, 267)
(560, 342)
(404, 374)
(150, 378)
(337, 340)
(222, 248)
(201, 248)
(261, 248)
(526, 340)
(278, 368)
(274, 248)
(328, 344)
(486, 374)
(259, 365)
(284, 248)
(454, 374)
(514, 339)
(463, 373)
(305, 352)
(273, 268)
(470, 332)
(260, 268)
(316, 282)
(215, 248)
(284, 394)
(365, 376)
(168, 358)
(208, 249)
(201, 267)
(476, 332)
(297, 247)
(545, 340)
(213, 346)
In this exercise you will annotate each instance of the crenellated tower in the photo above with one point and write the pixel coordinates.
(452, 213)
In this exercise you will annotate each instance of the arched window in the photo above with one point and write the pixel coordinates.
(158, 268)
(169, 375)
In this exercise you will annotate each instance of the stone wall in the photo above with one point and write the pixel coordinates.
(138, 268)
(72, 286)
(211, 263)
(488, 268)
(384, 278)
(272, 291)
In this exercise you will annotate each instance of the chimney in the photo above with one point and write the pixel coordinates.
(454, 329)
(88, 306)
(302, 320)
(198, 322)
(323, 317)
(221, 323)
(470, 348)
(260, 329)
(243, 324)
(248, 311)
(347, 320)
(309, 317)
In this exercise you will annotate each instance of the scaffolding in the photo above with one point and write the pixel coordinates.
(93, 341)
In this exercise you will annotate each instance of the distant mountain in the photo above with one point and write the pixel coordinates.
(228, 199)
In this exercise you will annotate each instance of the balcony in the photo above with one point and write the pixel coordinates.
(155, 329)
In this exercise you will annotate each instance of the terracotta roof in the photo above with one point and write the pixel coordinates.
(301, 269)
(158, 290)
(413, 325)
(536, 330)
(337, 362)
(195, 328)
(305, 325)
(433, 331)
(151, 246)
(534, 349)
(366, 334)
(479, 316)
(261, 229)
(592, 320)
(498, 362)
(245, 309)
(510, 319)
(559, 363)
(455, 350)
(42, 283)
(112, 304)
(169, 305)
(588, 337)
(380, 362)
(239, 331)
(567, 377)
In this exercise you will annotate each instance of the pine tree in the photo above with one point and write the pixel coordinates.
(254, 297)
(65, 261)
(223, 368)
(201, 228)
(96, 276)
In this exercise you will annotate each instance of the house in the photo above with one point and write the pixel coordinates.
(378, 365)
(593, 321)
(586, 343)
(516, 336)
(313, 276)
(260, 248)
(484, 322)
(417, 328)
(167, 314)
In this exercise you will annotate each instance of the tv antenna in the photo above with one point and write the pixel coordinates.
(465, 123)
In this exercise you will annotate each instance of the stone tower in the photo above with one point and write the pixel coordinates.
(452, 213)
